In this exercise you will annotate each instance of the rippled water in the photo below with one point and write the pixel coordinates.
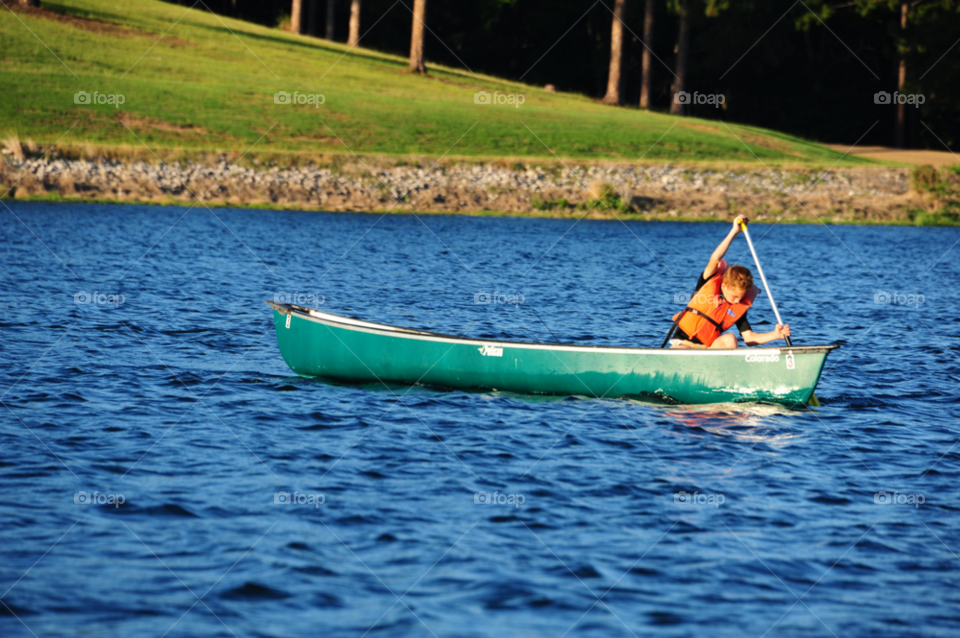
(178, 400)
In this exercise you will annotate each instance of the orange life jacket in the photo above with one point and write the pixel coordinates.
(709, 314)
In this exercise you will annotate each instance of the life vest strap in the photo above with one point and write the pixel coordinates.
(718, 326)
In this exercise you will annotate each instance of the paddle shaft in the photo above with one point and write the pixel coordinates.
(673, 329)
(763, 277)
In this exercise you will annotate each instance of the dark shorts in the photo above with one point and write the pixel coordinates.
(680, 334)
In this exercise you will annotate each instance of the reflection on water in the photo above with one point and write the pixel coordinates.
(747, 422)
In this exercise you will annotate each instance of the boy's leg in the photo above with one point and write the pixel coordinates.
(683, 343)
(725, 342)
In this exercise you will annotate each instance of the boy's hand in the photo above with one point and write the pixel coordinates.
(782, 331)
(736, 223)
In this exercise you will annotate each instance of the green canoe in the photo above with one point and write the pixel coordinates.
(317, 344)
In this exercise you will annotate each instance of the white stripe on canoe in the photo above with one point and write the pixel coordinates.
(404, 333)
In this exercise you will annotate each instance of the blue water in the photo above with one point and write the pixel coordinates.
(174, 399)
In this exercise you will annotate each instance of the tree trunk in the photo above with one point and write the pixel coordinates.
(295, 11)
(616, 53)
(647, 56)
(331, 16)
(308, 25)
(416, 37)
(901, 82)
(683, 48)
(29, 3)
(354, 38)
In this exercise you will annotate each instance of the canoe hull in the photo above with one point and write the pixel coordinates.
(316, 344)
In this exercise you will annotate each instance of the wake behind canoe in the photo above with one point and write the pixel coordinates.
(317, 344)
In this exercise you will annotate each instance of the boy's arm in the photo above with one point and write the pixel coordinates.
(722, 248)
(752, 338)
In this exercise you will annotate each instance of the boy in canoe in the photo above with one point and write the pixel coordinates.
(724, 295)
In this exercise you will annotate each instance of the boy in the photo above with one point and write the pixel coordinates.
(724, 294)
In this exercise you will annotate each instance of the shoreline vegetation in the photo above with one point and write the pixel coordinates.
(923, 195)
(212, 84)
(561, 155)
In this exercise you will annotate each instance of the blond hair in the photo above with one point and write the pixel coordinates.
(738, 278)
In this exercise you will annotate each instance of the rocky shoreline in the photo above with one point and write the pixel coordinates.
(653, 191)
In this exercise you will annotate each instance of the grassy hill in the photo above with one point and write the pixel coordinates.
(208, 85)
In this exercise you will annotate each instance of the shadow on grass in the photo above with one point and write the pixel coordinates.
(115, 19)
(312, 45)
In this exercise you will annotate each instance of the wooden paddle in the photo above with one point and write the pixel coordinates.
(743, 226)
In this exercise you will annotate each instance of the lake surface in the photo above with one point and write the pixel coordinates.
(140, 372)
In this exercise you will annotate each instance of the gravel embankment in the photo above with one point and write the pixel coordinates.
(656, 190)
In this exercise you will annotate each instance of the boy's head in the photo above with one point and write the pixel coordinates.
(737, 280)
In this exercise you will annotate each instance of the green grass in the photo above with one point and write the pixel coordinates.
(208, 86)
(944, 186)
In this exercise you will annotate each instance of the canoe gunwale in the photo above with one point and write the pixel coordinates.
(366, 326)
